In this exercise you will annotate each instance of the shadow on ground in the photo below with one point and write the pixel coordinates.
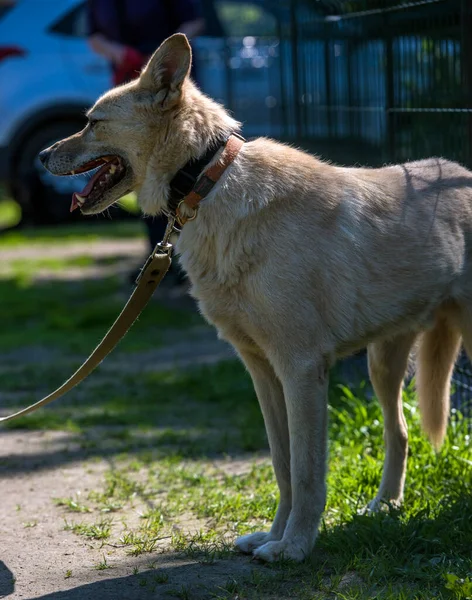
(7, 581)
(171, 576)
(185, 413)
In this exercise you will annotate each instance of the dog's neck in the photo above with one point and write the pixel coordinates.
(184, 180)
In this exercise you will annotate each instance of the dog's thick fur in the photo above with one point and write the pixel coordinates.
(298, 262)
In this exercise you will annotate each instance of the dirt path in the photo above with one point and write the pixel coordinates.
(39, 559)
(96, 248)
(125, 254)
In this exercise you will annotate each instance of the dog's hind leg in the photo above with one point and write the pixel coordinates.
(463, 321)
(271, 399)
(388, 360)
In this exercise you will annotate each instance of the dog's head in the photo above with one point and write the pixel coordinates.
(138, 135)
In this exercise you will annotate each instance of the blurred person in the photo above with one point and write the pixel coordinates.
(127, 32)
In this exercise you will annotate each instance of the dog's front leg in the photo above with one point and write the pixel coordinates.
(271, 400)
(305, 385)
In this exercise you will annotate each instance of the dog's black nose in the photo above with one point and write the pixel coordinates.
(44, 155)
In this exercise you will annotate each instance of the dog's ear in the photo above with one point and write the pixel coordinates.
(167, 69)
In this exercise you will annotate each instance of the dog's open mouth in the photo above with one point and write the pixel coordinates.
(111, 172)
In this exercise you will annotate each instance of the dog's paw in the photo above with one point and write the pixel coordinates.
(379, 504)
(248, 543)
(371, 508)
(294, 550)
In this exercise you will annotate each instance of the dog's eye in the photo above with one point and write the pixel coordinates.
(92, 123)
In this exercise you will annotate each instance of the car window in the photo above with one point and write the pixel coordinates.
(73, 23)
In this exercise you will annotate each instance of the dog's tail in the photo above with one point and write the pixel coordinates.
(436, 355)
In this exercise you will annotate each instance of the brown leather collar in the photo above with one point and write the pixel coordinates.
(209, 177)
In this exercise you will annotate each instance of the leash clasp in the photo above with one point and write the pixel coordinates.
(162, 247)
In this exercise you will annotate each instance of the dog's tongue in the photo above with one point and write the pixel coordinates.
(74, 203)
(88, 188)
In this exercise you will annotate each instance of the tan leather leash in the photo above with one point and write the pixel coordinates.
(151, 275)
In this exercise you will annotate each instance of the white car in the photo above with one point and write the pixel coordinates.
(48, 77)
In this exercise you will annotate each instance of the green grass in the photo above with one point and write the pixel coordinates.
(10, 213)
(70, 316)
(103, 565)
(73, 505)
(130, 204)
(90, 231)
(172, 438)
(97, 531)
(74, 316)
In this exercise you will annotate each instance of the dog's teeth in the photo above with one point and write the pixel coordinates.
(80, 199)
(72, 172)
(112, 169)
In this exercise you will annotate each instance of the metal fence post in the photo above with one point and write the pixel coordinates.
(466, 68)
(295, 66)
(390, 91)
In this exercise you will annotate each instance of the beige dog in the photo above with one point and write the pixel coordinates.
(297, 262)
